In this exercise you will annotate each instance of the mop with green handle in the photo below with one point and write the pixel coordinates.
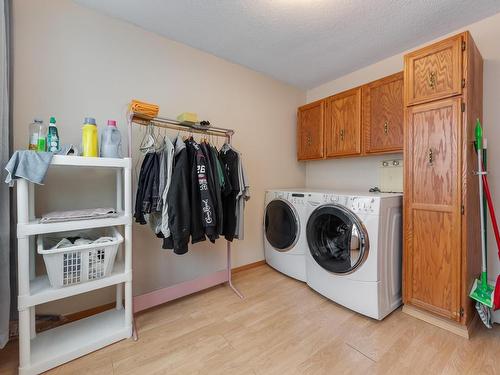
(481, 291)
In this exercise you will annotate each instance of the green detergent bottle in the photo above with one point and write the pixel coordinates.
(41, 144)
(53, 144)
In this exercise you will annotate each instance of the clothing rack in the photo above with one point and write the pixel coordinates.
(163, 295)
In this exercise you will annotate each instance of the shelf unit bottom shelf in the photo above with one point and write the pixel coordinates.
(42, 292)
(70, 341)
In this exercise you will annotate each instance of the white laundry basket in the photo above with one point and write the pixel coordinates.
(80, 263)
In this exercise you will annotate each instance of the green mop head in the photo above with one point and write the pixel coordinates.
(482, 291)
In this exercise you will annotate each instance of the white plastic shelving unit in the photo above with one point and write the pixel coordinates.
(43, 351)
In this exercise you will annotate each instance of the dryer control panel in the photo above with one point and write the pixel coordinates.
(294, 198)
(297, 198)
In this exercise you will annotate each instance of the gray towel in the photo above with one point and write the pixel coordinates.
(86, 214)
(30, 165)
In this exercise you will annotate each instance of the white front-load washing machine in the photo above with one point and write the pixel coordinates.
(284, 231)
(354, 250)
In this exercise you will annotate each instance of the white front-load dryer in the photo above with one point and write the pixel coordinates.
(284, 231)
(354, 250)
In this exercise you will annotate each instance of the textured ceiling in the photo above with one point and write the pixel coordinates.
(301, 42)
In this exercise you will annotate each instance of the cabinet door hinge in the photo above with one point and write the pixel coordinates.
(463, 45)
(463, 107)
(461, 312)
(463, 83)
(462, 209)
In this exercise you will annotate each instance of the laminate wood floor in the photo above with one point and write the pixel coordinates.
(282, 327)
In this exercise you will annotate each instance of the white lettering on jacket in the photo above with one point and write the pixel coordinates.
(207, 211)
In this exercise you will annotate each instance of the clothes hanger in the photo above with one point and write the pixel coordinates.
(148, 141)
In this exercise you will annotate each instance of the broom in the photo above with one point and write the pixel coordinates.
(481, 291)
(494, 224)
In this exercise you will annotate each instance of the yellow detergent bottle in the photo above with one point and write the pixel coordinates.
(89, 138)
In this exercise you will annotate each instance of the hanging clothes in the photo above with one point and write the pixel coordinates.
(239, 192)
(154, 218)
(147, 165)
(197, 228)
(206, 185)
(188, 190)
(179, 206)
(230, 159)
(158, 218)
(218, 182)
(241, 198)
(166, 176)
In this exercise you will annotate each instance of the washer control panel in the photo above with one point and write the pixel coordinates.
(363, 205)
(334, 198)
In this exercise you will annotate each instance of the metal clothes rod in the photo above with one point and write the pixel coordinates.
(169, 123)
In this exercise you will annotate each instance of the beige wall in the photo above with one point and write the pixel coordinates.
(361, 173)
(72, 62)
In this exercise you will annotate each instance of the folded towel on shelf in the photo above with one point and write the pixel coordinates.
(144, 109)
(91, 213)
(30, 165)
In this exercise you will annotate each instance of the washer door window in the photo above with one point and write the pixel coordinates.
(281, 225)
(337, 239)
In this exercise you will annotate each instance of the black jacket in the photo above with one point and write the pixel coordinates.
(179, 208)
(197, 229)
(147, 188)
(229, 160)
(214, 160)
(206, 185)
(151, 200)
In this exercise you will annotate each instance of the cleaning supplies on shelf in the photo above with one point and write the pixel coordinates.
(111, 141)
(89, 138)
(38, 134)
(53, 142)
(144, 109)
(35, 129)
(86, 214)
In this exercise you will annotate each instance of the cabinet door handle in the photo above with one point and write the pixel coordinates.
(309, 140)
(341, 134)
(386, 128)
(432, 80)
(431, 156)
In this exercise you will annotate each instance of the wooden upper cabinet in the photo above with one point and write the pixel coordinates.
(383, 115)
(434, 72)
(310, 129)
(343, 124)
(432, 188)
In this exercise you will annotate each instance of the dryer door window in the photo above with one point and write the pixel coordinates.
(337, 239)
(281, 225)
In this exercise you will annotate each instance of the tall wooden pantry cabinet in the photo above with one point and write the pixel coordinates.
(443, 86)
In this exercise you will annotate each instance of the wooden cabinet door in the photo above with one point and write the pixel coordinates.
(383, 114)
(310, 128)
(343, 124)
(432, 218)
(434, 72)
